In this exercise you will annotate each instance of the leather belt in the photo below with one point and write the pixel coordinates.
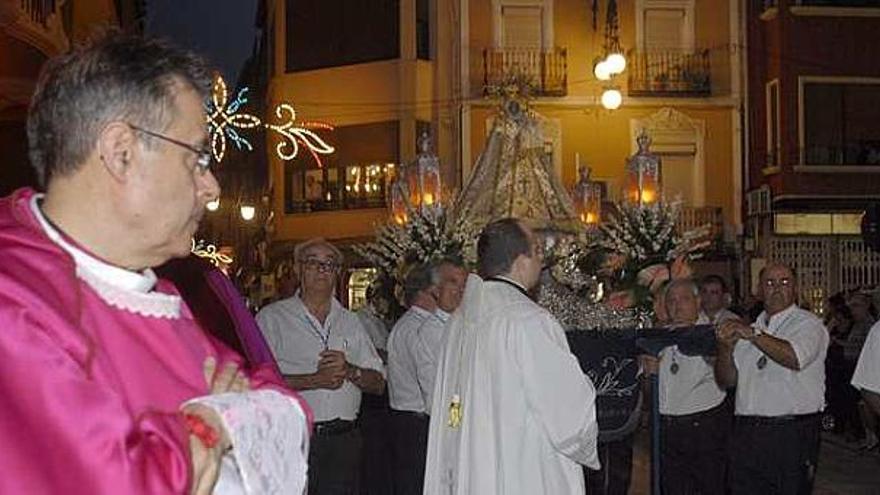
(686, 418)
(420, 415)
(775, 420)
(334, 427)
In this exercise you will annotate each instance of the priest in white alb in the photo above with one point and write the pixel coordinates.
(512, 412)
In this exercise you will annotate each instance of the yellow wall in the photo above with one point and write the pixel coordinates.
(602, 138)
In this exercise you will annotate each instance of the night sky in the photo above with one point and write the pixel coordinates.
(223, 31)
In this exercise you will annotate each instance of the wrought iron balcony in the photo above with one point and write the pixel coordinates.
(692, 217)
(547, 69)
(669, 74)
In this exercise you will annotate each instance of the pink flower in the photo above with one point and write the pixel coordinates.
(653, 276)
(681, 269)
(621, 299)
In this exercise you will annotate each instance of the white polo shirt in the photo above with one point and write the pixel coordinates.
(687, 383)
(296, 338)
(413, 350)
(867, 374)
(765, 387)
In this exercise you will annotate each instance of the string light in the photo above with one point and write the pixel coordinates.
(225, 121)
(213, 205)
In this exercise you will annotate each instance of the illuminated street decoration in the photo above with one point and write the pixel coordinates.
(226, 121)
(210, 253)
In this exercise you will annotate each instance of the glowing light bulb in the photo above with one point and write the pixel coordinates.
(615, 63)
(602, 71)
(611, 99)
(213, 205)
(248, 212)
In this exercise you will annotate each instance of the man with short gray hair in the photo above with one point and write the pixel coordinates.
(694, 420)
(323, 350)
(412, 366)
(108, 372)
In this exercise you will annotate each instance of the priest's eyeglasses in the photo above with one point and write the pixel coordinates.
(203, 155)
(321, 266)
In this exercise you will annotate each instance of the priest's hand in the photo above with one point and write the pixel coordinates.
(206, 459)
(227, 379)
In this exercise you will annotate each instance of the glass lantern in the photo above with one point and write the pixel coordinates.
(587, 198)
(642, 184)
(417, 185)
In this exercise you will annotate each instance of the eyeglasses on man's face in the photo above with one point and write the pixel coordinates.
(771, 283)
(203, 155)
(321, 266)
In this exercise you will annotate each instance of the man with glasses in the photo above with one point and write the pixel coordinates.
(778, 367)
(100, 359)
(324, 351)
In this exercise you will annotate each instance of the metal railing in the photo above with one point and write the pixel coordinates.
(547, 69)
(669, 74)
(692, 217)
(38, 10)
(838, 3)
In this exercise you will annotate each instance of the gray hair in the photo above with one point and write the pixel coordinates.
(115, 77)
(303, 248)
(681, 282)
(420, 277)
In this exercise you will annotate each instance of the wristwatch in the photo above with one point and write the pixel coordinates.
(354, 374)
(756, 332)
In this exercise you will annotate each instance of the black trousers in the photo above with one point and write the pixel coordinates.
(376, 458)
(410, 446)
(774, 456)
(334, 463)
(693, 450)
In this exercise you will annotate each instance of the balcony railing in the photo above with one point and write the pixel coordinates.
(547, 70)
(39, 10)
(669, 74)
(692, 217)
(838, 3)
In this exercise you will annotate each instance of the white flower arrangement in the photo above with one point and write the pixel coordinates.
(648, 233)
(426, 237)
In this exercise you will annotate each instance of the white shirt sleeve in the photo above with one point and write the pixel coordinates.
(271, 325)
(562, 397)
(426, 352)
(807, 340)
(363, 354)
(867, 373)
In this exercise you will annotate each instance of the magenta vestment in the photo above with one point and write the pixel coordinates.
(90, 392)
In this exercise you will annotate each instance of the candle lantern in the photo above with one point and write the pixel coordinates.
(642, 184)
(417, 185)
(587, 198)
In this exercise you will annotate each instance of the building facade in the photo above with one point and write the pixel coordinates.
(383, 73)
(813, 140)
(30, 34)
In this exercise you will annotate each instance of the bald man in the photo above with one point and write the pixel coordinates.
(778, 367)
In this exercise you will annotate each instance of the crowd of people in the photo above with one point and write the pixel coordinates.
(121, 380)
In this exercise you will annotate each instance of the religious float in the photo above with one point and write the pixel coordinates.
(602, 268)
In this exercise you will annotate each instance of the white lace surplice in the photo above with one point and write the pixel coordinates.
(270, 446)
